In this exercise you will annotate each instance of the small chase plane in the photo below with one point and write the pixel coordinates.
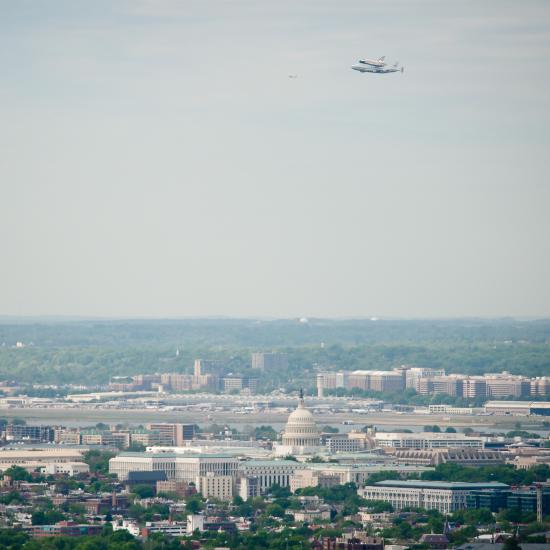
(377, 66)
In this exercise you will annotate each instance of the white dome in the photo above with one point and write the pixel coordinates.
(301, 429)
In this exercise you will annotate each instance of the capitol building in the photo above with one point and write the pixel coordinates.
(301, 435)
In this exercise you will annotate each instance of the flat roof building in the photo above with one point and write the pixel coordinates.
(445, 497)
(176, 465)
(427, 440)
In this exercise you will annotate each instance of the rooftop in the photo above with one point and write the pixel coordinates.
(173, 455)
(452, 485)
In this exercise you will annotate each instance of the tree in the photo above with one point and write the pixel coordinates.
(143, 491)
(193, 504)
(511, 544)
(275, 510)
(98, 460)
(136, 448)
(450, 430)
(329, 429)
(46, 517)
(17, 473)
(265, 432)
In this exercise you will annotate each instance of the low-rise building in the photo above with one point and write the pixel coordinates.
(427, 440)
(271, 472)
(11, 457)
(434, 457)
(172, 486)
(171, 528)
(311, 515)
(65, 468)
(176, 465)
(520, 408)
(312, 478)
(63, 528)
(446, 497)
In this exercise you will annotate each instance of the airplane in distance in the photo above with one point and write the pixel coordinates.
(376, 66)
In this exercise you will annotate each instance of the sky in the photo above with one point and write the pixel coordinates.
(156, 160)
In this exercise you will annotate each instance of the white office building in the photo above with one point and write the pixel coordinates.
(427, 440)
(445, 497)
(270, 472)
(177, 466)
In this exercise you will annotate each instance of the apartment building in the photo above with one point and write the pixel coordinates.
(215, 486)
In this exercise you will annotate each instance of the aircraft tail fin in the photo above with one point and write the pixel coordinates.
(382, 58)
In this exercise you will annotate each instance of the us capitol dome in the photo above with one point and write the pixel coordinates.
(301, 434)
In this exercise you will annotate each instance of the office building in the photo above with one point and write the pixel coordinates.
(413, 375)
(540, 386)
(434, 457)
(248, 486)
(105, 437)
(38, 456)
(176, 466)
(179, 434)
(175, 381)
(234, 383)
(445, 497)
(18, 432)
(148, 438)
(427, 440)
(269, 361)
(518, 407)
(270, 472)
(312, 478)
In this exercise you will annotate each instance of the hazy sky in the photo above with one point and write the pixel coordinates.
(155, 158)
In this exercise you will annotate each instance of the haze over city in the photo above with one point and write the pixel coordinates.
(157, 160)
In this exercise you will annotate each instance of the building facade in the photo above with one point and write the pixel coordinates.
(445, 497)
